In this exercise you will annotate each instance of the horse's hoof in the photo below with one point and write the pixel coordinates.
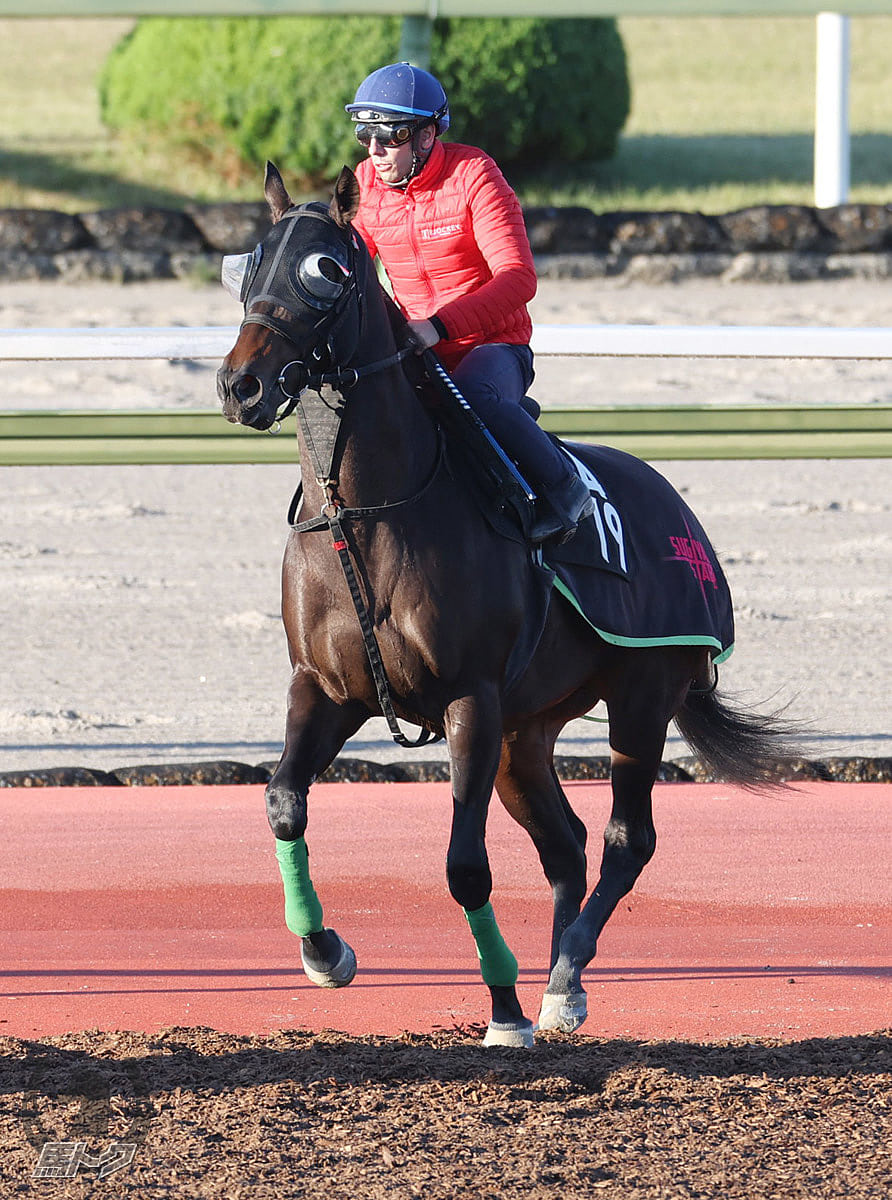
(337, 976)
(518, 1034)
(565, 1013)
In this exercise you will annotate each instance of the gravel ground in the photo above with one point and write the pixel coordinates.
(139, 605)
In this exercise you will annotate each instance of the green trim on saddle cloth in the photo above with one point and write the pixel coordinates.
(498, 966)
(303, 912)
(616, 639)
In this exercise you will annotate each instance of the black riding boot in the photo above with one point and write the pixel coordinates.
(560, 510)
(493, 380)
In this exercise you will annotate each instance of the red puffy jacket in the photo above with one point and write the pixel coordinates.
(454, 246)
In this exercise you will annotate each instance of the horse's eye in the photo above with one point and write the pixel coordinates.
(322, 276)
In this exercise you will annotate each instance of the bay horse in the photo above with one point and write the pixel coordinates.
(438, 620)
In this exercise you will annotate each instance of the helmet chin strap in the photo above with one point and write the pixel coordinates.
(417, 160)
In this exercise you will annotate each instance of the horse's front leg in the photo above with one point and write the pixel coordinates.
(316, 729)
(474, 737)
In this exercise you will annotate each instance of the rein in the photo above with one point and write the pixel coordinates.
(341, 379)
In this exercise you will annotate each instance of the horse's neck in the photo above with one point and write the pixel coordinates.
(387, 444)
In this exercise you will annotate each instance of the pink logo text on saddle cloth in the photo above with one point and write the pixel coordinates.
(689, 550)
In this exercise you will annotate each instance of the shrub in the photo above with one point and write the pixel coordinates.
(534, 91)
(529, 91)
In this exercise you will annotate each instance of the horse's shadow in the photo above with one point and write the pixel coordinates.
(205, 1062)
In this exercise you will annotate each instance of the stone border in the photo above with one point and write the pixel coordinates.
(765, 243)
(354, 770)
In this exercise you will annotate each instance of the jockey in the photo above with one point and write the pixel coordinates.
(450, 234)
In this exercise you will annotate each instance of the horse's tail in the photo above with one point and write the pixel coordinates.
(737, 744)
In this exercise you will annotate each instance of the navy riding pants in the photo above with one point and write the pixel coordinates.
(494, 379)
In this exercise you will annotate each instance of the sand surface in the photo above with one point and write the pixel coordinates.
(139, 605)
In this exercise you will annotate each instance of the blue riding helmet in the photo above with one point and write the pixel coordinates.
(400, 90)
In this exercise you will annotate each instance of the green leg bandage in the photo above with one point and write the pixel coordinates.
(497, 964)
(303, 912)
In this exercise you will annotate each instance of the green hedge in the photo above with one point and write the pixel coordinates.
(531, 92)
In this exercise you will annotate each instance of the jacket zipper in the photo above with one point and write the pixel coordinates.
(413, 242)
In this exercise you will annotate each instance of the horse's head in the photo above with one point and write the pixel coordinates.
(300, 289)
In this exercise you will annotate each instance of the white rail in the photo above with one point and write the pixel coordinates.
(624, 341)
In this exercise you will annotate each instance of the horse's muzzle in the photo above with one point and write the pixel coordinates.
(241, 396)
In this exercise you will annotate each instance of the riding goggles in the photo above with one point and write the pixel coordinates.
(390, 133)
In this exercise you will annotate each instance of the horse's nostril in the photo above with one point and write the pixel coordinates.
(247, 389)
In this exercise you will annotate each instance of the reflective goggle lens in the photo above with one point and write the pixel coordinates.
(390, 134)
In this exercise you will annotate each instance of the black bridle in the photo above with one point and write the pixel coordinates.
(325, 371)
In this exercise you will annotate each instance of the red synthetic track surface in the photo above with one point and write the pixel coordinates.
(141, 908)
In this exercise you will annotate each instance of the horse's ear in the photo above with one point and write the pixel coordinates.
(345, 201)
(276, 193)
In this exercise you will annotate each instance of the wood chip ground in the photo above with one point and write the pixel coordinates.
(327, 1115)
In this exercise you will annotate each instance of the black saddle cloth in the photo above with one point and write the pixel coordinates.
(642, 570)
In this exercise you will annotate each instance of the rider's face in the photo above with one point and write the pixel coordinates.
(393, 163)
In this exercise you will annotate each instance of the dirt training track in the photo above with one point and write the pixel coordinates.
(175, 569)
(145, 908)
(765, 921)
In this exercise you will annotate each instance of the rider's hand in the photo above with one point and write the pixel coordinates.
(421, 335)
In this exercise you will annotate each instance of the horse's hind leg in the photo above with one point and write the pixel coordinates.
(639, 713)
(316, 729)
(529, 789)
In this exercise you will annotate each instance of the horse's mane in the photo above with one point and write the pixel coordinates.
(412, 366)
(394, 314)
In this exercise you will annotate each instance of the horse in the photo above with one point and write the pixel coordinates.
(442, 621)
